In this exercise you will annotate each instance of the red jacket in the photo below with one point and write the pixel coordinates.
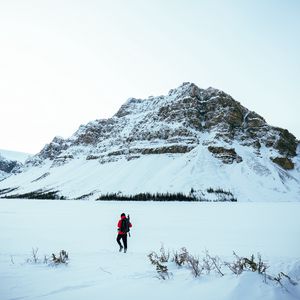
(120, 224)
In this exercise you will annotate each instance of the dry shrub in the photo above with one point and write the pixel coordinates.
(162, 270)
(61, 258)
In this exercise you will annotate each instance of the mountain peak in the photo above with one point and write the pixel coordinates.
(184, 116)
(186, 89)
(204, 131)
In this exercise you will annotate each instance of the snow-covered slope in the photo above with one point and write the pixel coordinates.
(192, 139)
(11, 162)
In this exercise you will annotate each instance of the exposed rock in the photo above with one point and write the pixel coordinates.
(93, 133)
(61, 160)
(286, 143)
(9, 166)
(168, 149)
(91, 157)
(227, 156)
(257, 144)
(158, 150)
(253, 120)
(119, 152)
(132, 157)
(108, 159)
(187, 89)
(52, 150)
(126, 108)
(222, 110)
(283, 162)
(187, 109)
(41, 177)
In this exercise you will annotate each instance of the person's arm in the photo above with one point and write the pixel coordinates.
(119, 225)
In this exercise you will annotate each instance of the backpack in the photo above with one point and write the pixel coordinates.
(125, 225)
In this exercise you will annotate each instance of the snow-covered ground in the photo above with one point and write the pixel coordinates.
(87, 230)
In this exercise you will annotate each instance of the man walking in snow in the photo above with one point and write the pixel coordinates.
(123, 227)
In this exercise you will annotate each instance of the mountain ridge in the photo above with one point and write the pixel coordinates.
(177, 127)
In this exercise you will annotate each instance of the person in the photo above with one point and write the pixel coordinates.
(123, 228)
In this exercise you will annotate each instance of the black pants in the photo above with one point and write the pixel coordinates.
(124, 239)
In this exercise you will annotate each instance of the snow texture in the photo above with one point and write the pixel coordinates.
(87, 231)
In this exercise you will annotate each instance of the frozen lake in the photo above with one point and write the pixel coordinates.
(87, 230)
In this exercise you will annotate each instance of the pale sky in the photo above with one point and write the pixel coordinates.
(65, 63)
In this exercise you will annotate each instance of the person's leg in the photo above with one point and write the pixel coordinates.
(124, 238)
(118, 240)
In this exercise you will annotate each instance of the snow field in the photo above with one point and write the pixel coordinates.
(87, 231)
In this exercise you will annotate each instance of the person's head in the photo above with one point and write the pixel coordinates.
(122, 215)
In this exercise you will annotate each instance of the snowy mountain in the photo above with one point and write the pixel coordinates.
(11, 162)
(194, 141)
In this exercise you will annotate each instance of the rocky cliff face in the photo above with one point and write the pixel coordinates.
(188, 125)
(175, 123)
(8, 167)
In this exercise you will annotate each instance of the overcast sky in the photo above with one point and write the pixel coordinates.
(65, 63)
